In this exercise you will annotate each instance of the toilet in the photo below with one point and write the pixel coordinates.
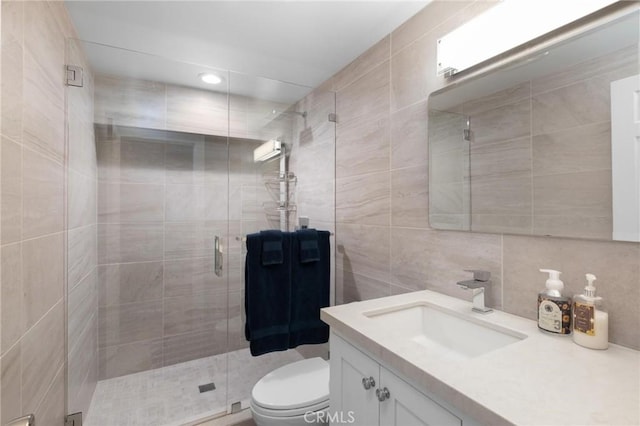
(295, 394)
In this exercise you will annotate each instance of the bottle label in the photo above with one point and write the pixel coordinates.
(554, 315)
(584, 318)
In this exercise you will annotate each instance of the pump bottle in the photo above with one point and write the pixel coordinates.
(590, 321)
(554, 309)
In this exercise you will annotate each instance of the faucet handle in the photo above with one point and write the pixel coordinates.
(479, 275)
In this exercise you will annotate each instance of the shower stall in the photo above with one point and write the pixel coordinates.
(161, 187)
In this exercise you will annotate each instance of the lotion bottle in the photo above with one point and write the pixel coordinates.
(554, 309)
(590, 320)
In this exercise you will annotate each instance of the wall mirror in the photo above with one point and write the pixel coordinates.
(546, 145)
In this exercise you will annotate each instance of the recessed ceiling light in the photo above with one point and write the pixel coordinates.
(210, 78)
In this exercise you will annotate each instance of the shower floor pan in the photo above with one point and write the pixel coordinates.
(169, 396)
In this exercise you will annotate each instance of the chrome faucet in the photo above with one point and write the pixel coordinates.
(481, 280)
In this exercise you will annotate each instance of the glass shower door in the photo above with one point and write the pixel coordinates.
(161, 164)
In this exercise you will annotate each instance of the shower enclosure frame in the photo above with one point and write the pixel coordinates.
(94, 182)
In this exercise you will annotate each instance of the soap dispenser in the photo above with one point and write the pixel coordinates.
(554, 309)
(590, 321)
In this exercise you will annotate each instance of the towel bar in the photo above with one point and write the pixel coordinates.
(243, 239)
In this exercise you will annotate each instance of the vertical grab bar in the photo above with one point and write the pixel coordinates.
(217, 257)
(29, 420)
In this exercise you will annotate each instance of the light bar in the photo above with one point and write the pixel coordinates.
(505, 26)
(267, 150)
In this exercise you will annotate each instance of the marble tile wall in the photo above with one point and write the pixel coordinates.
(37, 237)
(384, 243)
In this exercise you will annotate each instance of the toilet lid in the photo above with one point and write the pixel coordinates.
(299, 384)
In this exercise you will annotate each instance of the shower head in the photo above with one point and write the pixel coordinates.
(302, 114)
(267, 150)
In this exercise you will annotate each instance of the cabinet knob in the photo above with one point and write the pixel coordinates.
(368, 383)
(383, 394)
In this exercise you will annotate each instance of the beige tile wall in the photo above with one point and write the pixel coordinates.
(383, 250)
(160, 201)
(162, 197)
(156, 105)
(34, 233)
(313, 161)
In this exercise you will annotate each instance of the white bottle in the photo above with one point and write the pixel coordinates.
(590, 321)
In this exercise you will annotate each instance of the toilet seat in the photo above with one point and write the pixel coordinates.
(295, 412)
(293, 389)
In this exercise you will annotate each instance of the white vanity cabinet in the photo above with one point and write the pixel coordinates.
(363, 392)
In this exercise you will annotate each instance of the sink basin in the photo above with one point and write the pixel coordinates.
(441, 330)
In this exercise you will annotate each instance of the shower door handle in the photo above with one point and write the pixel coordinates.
(217, 256)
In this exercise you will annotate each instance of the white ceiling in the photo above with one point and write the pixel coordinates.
(302, 42)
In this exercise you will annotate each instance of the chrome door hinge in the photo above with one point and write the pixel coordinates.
(74, 75)
(448, 72)
(333, 118)
(74, 419)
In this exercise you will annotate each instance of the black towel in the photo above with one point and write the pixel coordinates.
(309, 290)
(271, 247)
(308, 240)
(267, 297)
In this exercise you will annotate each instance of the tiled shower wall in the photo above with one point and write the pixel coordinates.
(157, 105)
(384, 242)
(33, 226)
(162, 197)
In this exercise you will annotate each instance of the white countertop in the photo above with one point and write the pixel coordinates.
(541, 380)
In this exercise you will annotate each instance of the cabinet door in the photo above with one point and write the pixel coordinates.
(350, 401)
(406, 406)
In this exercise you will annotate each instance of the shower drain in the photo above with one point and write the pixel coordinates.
(206, 388)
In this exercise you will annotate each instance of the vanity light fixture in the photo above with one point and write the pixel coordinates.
(210, 78)
(509, 24)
